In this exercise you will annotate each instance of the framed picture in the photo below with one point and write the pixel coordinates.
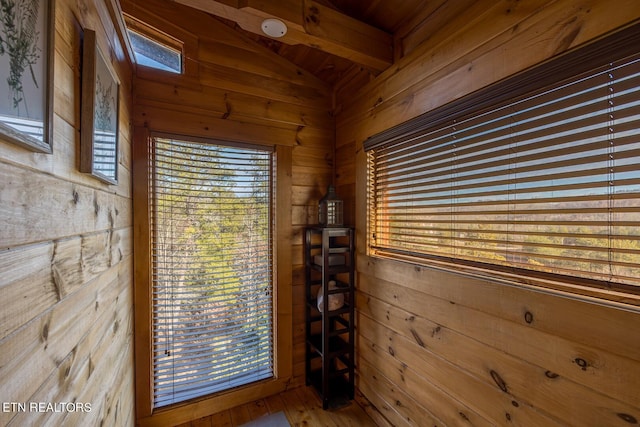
(99, 113)
(26, 73)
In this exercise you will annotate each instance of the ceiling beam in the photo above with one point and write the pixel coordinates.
(309, 23)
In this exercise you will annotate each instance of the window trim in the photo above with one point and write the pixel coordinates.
(282, 295)
(608, 48)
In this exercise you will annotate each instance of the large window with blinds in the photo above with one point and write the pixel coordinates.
(212, 267)
(534, 177)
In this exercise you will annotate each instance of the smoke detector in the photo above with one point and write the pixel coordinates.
(274, 27)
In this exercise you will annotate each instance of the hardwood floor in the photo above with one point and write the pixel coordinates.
(302, 406)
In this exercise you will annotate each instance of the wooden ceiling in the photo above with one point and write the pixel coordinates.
(337, 40)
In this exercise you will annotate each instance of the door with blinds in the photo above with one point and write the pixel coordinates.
(212, 267)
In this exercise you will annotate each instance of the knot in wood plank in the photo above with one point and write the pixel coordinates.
(551, 375)
(583, 364)
(628, 418)
(417, 337)
(499, 381)
(528, 317)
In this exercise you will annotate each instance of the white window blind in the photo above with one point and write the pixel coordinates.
(212, 267)
(545, 182)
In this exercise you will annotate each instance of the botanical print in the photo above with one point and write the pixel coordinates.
(104, 100)
(105, 121)
(21, 56)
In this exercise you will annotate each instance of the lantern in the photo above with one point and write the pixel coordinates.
(330, 209)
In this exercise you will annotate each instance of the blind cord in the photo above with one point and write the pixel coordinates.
(611, 167)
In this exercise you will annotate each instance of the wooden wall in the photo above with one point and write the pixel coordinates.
(237, 90)
(438, 348)
(66, 255)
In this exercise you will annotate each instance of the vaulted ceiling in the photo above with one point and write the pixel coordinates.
(337, 40)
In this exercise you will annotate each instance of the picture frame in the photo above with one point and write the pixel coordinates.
(27, 31)
(99, 115)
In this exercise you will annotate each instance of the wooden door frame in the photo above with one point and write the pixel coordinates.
(146, 415)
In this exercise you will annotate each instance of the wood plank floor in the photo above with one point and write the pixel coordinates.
(302, 406)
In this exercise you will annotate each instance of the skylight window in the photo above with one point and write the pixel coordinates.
(152, 53)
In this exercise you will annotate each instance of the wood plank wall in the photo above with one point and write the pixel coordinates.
(235, 89)
(66, 307)
(436, 348)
